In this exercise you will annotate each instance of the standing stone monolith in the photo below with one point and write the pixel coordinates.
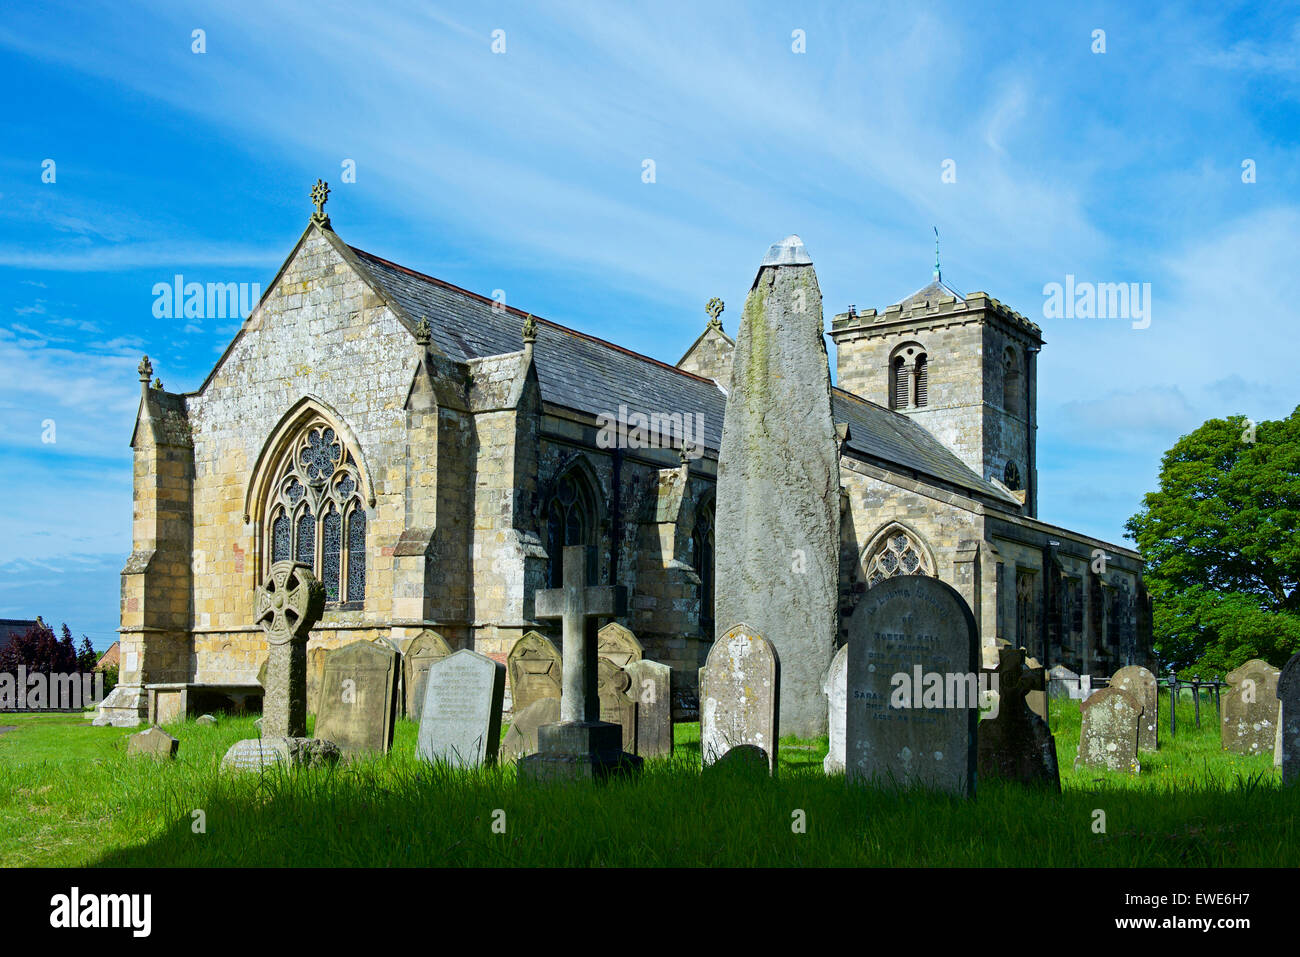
(425, 648)
(288, 604)
(777, 524)
(358, 697)
(835, 687)
(1249, 709)
(1108, 731)
(460, 721)
(651, 689)
(1141, 683)
(913, 687)
(1288, 695)
(739, 696)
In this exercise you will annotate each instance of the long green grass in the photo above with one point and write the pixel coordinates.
(69, 796)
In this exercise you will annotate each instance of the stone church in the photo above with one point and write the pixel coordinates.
(430, 451)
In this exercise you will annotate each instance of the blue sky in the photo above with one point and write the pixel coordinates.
(522, 171)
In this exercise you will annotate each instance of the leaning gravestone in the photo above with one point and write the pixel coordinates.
(426, 648)
(1249, 709)
(460, 724)
(651, 690)
(534, 670)
(256, 754)
(739, 696)
(357, 698)
(153, 743)
(1288, 693)
(778, 489)
(1141, 683)
(835, 687)
(1108, 733)
(1015, 742)
(913, 687)
(616, 705)
(618, 644)
(521, 737)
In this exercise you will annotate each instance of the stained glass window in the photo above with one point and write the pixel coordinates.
(306, 551)
(280, 543)
(331, 550)
(569, 521)
(898, 554)
(356, 555)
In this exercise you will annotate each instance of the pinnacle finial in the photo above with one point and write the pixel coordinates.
(145, 369)
(320, 194)
(714, 309)
(530, 330)
(423, 331)
(157, 384)
(938, 276)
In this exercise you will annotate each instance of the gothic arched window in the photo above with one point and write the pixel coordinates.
(702, 555)
(909, 376)
(315, 513)
(896, 552)
(570, 520)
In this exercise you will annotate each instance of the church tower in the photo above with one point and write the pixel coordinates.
(965, 367)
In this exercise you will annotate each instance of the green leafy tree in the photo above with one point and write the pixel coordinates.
(1221, 541)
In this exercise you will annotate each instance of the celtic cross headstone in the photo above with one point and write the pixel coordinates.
(288, 604)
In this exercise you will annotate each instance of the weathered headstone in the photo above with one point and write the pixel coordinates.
(1085, 687)
(460, 723)
(521, 737)
(777, 523)
(913, 687)
(358, 697)
(256, 754)
(1141, 683)
(1015, 742)
(618, 644)
(1288, 694)
(287, 605)
(651, 689)
(535, 670)
(152, 743)
(1249, 709)
(835, 687)
(1062, 682)
(580, 745)
(740, 696)
(205, 719)
(616, 705)
(426, 648)
(315, 671)
(1108, 733)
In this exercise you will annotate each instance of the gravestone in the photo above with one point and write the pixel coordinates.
(651, 689)
(426, 648)
(616, 705)
(1015, 742)
(521, 737)
(535, 670)
(287, 605)
(740, 696)
(777, 524)
(618, 644)
(153, 743)
(205, 719)
(257, 754)
(579, 745)
(1288, 693)
(835, 687)
(460, 723)
(358, 697)
(1062, 682)
(1108, 734)
(1085, 688)
(1249, 709)
(1141, 683)
(913, 687)
(315, 671)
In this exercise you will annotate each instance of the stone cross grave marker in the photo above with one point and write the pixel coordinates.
(425, 648)
(1015, 742)
(288, 603)
(357, 698)
(1108, 733)
(1288, 693)
(740, 696)
(913, 687)
(835, 687)
(460, 723)
(1249, 709)
(651, 689)
(535, 670)
(1141, 683)
(580, 745)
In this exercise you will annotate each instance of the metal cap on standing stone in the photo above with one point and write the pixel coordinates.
(788, 252)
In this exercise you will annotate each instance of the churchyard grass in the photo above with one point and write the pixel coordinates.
(69, 796)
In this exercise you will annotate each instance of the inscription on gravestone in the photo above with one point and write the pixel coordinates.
(535, 670)
(460, 724)
(913, 687)
(357, 698)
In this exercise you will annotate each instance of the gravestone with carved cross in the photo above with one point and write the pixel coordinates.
(288, 604)
(580, 745)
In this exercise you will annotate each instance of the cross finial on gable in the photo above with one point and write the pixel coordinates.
(714, 309)
(320, 194)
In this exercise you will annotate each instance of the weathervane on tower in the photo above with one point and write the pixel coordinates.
(320, 194)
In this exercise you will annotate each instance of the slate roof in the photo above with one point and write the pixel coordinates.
(590, 375)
